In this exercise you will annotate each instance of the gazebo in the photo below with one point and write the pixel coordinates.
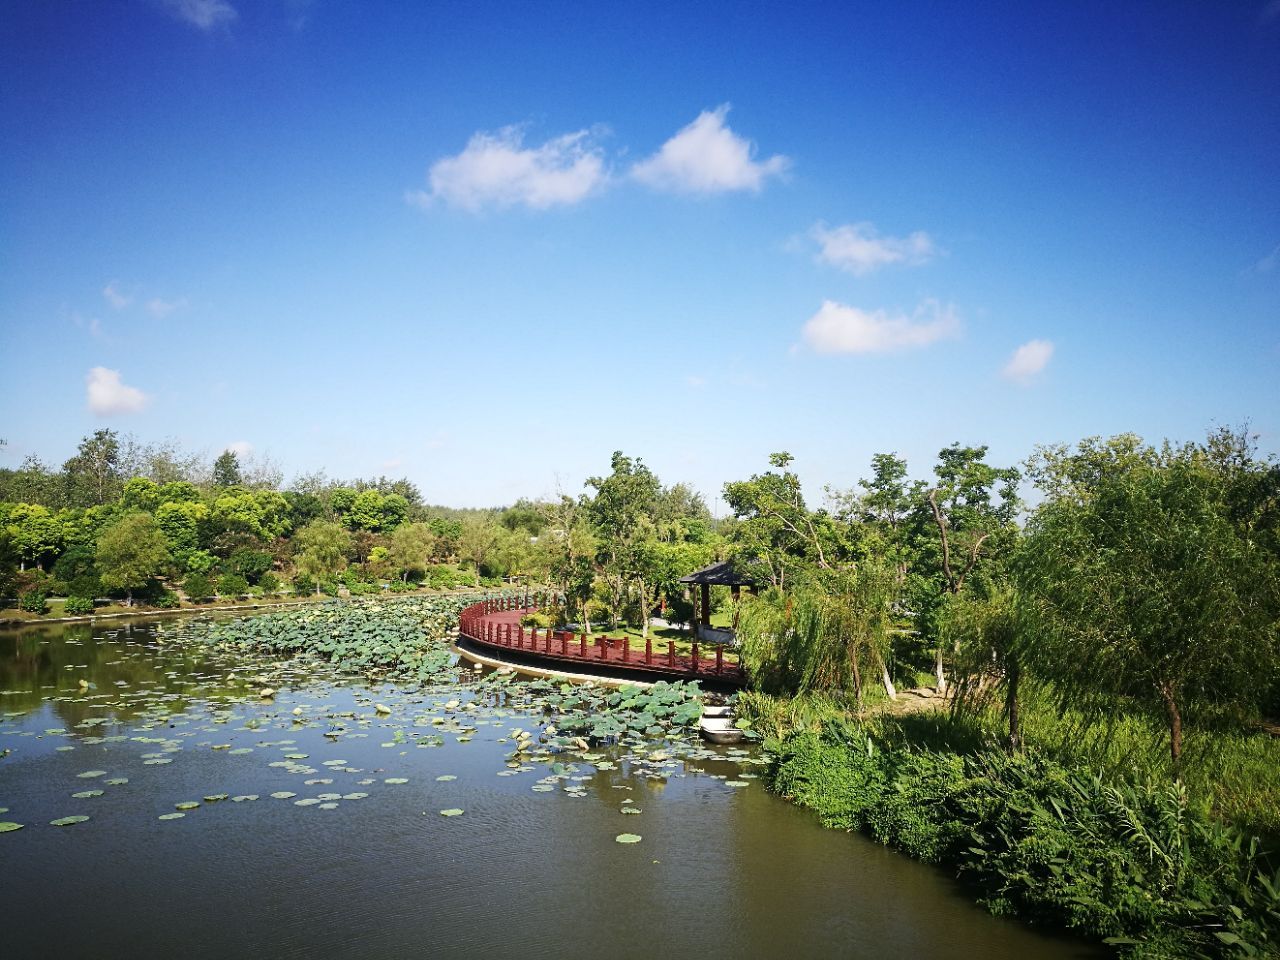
(721, 574)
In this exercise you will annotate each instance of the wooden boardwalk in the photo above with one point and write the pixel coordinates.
(494, 625)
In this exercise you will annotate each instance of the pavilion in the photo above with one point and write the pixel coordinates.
(720, 574)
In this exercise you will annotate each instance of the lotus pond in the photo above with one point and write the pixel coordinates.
(332, 782)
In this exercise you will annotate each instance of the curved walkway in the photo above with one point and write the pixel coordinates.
(494, 627)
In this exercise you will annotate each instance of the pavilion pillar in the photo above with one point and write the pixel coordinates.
(705, 589)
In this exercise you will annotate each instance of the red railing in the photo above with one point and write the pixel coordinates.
(496, 623)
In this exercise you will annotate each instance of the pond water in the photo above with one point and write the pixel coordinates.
(368, 867)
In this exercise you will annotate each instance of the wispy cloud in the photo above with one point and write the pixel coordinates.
(1027, 361)
(860, 249)
(160, 308)
(241, 448)
(108, 396)
(115, 296)
(1272, 260)
(497, 170)
(837, 328)
(707, 157)
(202, 14)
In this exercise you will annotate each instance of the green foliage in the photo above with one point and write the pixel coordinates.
(1145, 586)
(304, 583)
(164, 600)
(226, 470)
(322, 547)
(1062, 847)
(232, 585)
(824, 635)
(269, 583)
(131, 552)
(34, 601)
(250, 564)
(197, 586)
(78, 606)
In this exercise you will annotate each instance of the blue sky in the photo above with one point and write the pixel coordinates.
(483, 245)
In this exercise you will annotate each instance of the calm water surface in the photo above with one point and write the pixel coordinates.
(721, 871)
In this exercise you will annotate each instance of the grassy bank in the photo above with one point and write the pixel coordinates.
(1138, 864)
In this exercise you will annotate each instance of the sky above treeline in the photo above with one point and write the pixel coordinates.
(483, 245)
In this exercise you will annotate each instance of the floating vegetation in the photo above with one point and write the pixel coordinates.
(68, 821)
(8, 826)
(368, 680)
(628, 838)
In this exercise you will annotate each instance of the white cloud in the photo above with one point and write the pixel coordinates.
(497, 170)
(204, 14)
(837, 328)
(160, 309)
(108, 396)
(860, 249)
(707, 157)
(115, 296)
(241, 448)
(1028, 360)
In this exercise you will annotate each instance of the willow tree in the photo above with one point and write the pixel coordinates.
(1143, 586)
(823, 634)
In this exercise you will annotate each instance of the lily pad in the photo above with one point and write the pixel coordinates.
(446, 778)
(243, 797)
(8, 826)
(116, 781)
(396, 780)
(451, 812)
(283, 795)
(86, 794)
(67, 821)
(627, 838)
(171, 816)
(90, 774)
(186, 805)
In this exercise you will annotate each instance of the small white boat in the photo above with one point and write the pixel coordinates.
(717, 726)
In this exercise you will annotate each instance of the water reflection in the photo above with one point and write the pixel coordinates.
(721, 871)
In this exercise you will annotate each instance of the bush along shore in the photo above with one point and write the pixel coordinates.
(1135, 864)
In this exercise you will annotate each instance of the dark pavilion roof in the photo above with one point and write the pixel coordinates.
(720, 574)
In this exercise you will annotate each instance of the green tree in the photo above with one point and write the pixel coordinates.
(131, 552)
(226, 470)
(1144, 586)
(92, 476)
(621, 512)
(411, 547)
(823, 634)
(322, 547)
(34, 533)
(776, 532)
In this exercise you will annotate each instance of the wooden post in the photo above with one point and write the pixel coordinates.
(582, 649)
(695, 656)
(671, 653)
(626, 649)
(564, 644)
(648, 651)
(719, 658)
(604, 648)
(706, 604)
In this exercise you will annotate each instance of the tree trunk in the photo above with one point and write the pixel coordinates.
(1170, 695)
(939, 672)
(1011, 707)
(128, 598)
(887, 680)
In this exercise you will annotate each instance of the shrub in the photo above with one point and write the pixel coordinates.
(269, 582)
(304, 583)
(165, 600)
(250, 564)
(78, 606)
(232, 585)
(197, 586)
(400, 586)
(362, 589)
(1135, 862)
(34, 601)
(540, 620)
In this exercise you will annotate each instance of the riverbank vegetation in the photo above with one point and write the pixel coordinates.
(1110, 662)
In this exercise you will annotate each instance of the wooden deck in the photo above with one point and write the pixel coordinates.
(494, 626)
